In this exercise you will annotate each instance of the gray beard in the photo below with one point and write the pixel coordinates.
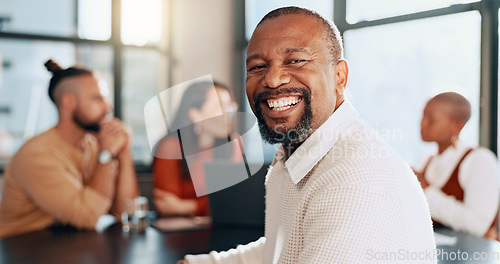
(291, 136)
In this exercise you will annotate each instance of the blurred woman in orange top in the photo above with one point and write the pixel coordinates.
(198, 130)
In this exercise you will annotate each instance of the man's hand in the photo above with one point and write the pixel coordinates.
(113, 136)
(168, 203)
(182, 262)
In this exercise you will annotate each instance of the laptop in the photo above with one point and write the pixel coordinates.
(241, 204)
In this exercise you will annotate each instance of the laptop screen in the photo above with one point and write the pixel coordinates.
(241, 203)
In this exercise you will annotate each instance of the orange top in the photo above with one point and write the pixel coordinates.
(168, 173)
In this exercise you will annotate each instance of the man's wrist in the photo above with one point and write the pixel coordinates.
(126, 152)
(105, 157)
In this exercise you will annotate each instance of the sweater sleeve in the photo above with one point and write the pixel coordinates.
(57, 190)
(243, 254)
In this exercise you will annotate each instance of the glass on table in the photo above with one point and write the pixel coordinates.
(135, 215)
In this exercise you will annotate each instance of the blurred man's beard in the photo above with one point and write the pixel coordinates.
(87, 126)
(288, 136)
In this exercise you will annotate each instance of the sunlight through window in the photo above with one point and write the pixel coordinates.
(94, 19)
(141, 21)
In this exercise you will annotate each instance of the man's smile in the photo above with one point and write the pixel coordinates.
(283, 103)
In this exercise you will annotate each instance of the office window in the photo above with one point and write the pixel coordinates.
(141, 22)
(256, 9)
(100, 59)
(27, 109)
(407, 63)
(48, 17)
(143, 78)
(409, 59)
(84, 37)
(361, 10)
(94, 19)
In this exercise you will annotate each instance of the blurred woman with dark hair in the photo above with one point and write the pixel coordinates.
(199, 126)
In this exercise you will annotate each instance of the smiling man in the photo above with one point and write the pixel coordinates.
(335, 192)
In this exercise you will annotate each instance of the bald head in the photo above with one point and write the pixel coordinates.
(331, 32)
(460, 106)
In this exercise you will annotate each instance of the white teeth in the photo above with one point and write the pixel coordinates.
(282, 108)
(283, 103)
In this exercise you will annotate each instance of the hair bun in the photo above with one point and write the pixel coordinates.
(52, 66)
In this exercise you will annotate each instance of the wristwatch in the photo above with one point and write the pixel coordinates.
(105, 157)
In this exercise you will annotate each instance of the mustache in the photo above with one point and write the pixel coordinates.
(275, 92)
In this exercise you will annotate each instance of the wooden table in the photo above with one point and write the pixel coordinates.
(66, 245)
(468, 249)
(69, 246)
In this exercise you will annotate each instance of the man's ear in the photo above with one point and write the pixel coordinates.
(68, 102)
(341, 75)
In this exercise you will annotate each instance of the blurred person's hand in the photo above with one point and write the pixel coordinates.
(421, 179)
(182, 262)
(168, 203)
(113, 136)
(127, 132)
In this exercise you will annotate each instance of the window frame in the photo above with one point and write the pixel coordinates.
(115, 43)
(488, 10)
(488, 89)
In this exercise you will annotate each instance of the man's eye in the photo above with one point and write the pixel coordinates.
(256, 67)
(296, 61)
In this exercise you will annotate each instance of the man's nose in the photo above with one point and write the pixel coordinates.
(276, 76)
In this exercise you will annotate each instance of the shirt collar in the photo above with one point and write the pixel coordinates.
(318, 144)
(453, 151)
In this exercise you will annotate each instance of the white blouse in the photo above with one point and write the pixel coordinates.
(478, 176)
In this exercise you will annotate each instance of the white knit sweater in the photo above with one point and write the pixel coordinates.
(344, 196)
